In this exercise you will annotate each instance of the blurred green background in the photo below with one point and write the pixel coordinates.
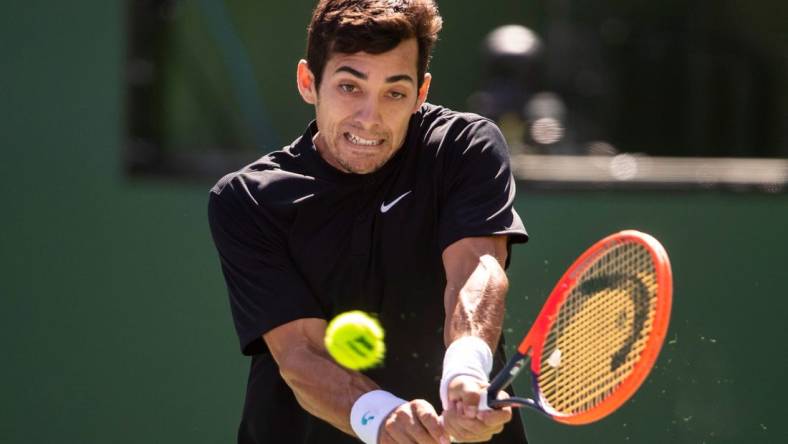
(115, 324)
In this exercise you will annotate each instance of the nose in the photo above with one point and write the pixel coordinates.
(369, 114)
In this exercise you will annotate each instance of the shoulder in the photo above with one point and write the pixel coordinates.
(456, 136)
(267, 187)
(431, 116)
(275, 174)
(445, 129)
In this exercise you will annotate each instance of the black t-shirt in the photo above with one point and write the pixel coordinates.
(299, 239)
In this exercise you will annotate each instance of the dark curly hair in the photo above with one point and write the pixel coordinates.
(372, 26)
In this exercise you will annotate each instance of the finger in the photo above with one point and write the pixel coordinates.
(470, 411)
(395, 429)
(467, 390)
(465, 408)
(421, 410)
(449, 407)
(469, 394)
(491, 426)
(477, 428)
(431, 422)
(459, 427)
(419, 435)
(495, 417)
(407, 434)
(397, 436)
(385, 436)
(449, 438)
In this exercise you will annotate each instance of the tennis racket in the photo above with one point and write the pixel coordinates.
(598, 334)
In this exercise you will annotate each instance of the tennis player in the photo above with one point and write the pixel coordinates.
(385, 204)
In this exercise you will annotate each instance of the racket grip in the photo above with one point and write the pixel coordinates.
(502, 380)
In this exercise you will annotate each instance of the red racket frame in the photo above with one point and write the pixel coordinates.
(531, 345)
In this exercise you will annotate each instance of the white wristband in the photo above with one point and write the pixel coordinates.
(469, 355)
(369, 411)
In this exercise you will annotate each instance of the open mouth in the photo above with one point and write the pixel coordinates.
(356, 140)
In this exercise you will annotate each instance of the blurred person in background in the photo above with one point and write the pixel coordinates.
(516, 94)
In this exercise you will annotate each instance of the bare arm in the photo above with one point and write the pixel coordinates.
(475, 301)
(476, 286)
(328, 391)
(321, 387)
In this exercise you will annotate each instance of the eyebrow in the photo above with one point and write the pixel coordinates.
(362, 76)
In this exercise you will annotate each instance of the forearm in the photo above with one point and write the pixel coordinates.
(330, 392)
(475, 300)
(323, 388)
(475, 306)
(320, 385)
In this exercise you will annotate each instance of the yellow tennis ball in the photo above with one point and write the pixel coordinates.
(355, 340)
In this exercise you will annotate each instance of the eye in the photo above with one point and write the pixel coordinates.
(347, 88)
(397, 95)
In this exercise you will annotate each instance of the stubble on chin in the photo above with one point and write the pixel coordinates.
(353, 170)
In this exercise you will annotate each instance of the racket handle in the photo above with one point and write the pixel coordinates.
(502, 380)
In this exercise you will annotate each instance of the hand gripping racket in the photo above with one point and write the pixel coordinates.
(598, 334)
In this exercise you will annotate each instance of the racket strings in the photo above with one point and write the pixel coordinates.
(600, 330)
(586, 341)
(592, 374)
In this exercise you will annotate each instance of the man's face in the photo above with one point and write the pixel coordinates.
(363, 105)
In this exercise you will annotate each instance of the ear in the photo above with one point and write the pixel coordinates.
(306, 83)
(423, 91)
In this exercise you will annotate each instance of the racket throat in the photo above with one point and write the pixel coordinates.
(504, 378)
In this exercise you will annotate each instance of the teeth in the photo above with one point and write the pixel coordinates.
(361, 141)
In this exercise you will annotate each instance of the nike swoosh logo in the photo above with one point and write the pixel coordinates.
(385, 207)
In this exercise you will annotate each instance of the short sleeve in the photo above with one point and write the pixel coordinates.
(478, 187)
(264, 287)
